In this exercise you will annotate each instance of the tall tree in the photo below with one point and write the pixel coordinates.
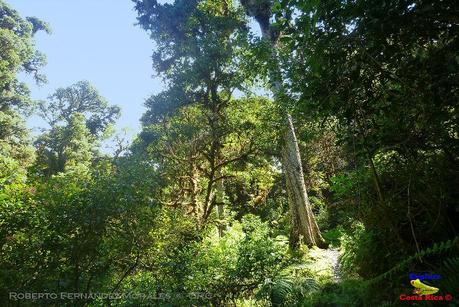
(198, 51)
(303, 220)
(78, 117)
(17, 54)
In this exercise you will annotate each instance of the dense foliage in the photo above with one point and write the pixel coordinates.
(197, 211)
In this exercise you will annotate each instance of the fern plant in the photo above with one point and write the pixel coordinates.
(285, 290)
(436, 249)
(450, 273)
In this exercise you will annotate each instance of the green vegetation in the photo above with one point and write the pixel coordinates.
(327, 187)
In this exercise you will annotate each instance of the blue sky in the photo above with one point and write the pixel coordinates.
(94, 40)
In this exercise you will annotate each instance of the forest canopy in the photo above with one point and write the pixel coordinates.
(300, 153)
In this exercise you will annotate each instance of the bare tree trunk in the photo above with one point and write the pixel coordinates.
(220, 200)
(196, 206)
(303, 222)
(221, 220)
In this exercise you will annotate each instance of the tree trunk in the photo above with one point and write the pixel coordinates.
(220, 199)
(303, 222)
(221, 220)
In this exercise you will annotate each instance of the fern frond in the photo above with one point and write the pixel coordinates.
(436, 249)
(450, 273)
(281, 290)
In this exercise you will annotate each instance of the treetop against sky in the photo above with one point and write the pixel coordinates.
(96, 41)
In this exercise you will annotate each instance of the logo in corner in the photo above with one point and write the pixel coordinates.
(421, 288)
(423, 291)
